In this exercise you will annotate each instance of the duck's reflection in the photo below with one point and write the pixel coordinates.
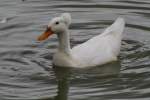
(63, 75)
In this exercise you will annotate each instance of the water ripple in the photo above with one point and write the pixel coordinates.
(26, 69)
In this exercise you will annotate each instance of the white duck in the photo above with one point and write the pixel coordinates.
(98, 50)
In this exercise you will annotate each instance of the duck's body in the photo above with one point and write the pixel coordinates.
(98, 50)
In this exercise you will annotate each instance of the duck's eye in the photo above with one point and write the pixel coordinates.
(57, 23)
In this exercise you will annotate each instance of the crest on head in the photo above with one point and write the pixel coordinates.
(56, 26)
(66, 18)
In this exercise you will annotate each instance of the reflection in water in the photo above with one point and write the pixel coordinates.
(4, 20)
(64, 76)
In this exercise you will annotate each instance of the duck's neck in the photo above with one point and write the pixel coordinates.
(64, 42)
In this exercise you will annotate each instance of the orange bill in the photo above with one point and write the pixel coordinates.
(45, 35)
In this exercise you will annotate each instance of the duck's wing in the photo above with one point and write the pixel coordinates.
(102, 48)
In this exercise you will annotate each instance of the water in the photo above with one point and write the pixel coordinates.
(26, 71)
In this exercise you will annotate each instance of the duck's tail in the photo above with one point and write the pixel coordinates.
(116, 28)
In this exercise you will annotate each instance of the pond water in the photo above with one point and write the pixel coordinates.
(26, 71)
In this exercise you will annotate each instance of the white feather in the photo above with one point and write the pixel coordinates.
(102, 48)
(98, 50)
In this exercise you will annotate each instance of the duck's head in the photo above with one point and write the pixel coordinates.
(57, 25)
